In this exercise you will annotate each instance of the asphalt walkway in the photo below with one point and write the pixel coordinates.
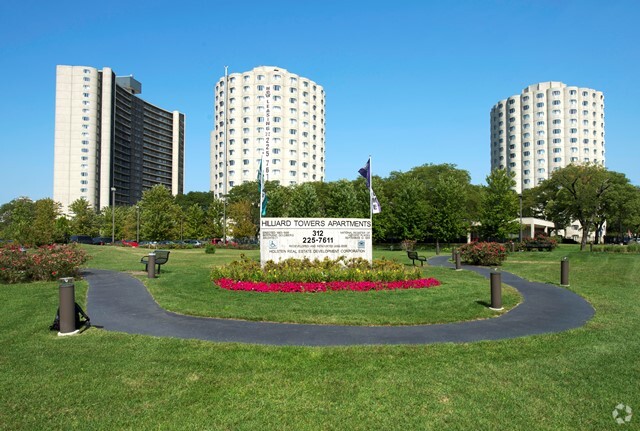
(119, 302)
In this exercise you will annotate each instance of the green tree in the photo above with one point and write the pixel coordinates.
(241, 224)
(105, 221)
(17, 220)
(159, 214)
(581, 191)
(213, 219)
(194, 225)
(304, 201)
(84, 220)
(406, 200)
(499, 207)
(46, 212)
(186, 201)
(448, 199)
(341, 201)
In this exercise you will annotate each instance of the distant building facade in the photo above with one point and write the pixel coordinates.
(106, 137)
(547, 127)
(268, 112)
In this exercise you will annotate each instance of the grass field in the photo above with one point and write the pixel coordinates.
(101, 380)
(184, 287)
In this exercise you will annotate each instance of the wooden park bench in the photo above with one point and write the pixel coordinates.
(538, 246)
(162, 257)
(413, 255)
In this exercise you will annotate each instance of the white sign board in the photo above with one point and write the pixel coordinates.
(314, 238)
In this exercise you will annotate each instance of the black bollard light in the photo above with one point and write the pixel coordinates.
(513, 247)
(564, 271)
(151, 266)
(496, 290)
(458, 264)
(67, 307)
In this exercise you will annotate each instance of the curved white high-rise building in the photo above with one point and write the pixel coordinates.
(547, 127)
(270, 112)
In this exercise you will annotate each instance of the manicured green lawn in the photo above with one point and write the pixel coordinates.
(184, 287)
(106, 381)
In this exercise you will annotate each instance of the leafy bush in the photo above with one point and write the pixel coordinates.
(483, 253)
(42, 264)
(539, 239)
(305, 270)
(210, 249)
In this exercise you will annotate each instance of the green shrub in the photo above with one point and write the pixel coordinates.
(210, 249)
(306, 270)
(539, 239)
(483, 253)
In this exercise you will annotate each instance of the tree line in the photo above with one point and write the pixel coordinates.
(434, 203)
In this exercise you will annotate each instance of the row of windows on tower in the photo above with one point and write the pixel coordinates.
(262, 100)
(554, 93)
(275, 78)
(248, 89)
(542, 162)
(541, 123)
(555, 113)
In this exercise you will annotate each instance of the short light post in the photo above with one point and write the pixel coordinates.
(496, 290)
(138, 223)
(113, 215)
(564, 271)
(67, 307)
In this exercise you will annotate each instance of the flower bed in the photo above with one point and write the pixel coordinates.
(304, 275)
(312, 287)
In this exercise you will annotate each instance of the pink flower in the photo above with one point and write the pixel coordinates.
(297, 287)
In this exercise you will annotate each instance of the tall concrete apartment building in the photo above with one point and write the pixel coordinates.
(272, 112)
(547, 127)
(107, 138)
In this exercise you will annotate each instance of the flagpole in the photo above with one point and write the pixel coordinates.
(370, 191)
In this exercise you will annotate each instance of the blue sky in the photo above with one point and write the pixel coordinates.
(407, 82)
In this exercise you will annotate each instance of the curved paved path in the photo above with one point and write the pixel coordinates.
(119, 302)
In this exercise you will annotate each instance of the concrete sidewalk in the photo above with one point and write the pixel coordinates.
(119, 302)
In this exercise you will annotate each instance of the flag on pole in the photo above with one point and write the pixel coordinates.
(261, 192)
(366, 173)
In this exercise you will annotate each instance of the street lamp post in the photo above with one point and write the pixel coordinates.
(113, 215)
(520, 196)
(138, 223)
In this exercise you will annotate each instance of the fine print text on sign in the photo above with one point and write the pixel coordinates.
(314, 238)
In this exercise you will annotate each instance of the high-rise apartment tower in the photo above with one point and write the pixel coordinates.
(108, 138)
(547, 127)
(271, 114)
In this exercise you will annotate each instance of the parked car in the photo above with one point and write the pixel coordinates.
(193, 242)
(101, 240)
(129, 243)
(81, 239)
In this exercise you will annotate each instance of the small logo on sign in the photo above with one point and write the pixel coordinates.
(272, 244)
(361, 244)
